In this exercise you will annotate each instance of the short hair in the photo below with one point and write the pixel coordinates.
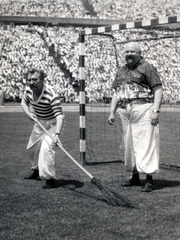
(41, 73)
(134, 44)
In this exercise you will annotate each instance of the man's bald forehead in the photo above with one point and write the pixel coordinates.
(132, 45)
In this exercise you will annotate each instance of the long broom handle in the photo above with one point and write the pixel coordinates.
(61, 147)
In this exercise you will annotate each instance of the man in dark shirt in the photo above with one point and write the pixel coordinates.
(137, 100)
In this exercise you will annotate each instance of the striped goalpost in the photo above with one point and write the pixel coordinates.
(82, 76)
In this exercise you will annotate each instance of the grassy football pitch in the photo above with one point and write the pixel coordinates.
(76, 209)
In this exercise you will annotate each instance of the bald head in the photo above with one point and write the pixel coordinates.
(133, 46)
(132, 51)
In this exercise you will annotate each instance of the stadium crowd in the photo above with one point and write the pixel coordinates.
(49, 48)
(135, 9)
(43, 8)
(104, 9)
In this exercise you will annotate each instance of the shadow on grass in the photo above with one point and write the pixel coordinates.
(70, 184)
(160, 184)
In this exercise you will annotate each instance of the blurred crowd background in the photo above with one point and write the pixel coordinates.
(55, 49)
(102, 9)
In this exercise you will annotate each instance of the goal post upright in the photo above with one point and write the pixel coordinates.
(82, 112)
(82, 78)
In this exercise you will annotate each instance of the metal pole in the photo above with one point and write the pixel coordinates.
(82, 112)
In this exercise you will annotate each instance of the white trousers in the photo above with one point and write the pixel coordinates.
(141, 139)
(41, 149)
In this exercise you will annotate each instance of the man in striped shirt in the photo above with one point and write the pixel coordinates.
(46, 106)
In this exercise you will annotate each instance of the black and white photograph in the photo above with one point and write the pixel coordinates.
(90, 119)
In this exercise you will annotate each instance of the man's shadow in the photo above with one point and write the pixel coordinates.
(70, 184)
(161, 183)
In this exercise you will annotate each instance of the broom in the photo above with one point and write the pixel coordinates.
(112, 197)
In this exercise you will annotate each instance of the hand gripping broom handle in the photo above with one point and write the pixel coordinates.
(61, 147)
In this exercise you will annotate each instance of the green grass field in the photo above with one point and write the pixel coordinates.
(76, 209)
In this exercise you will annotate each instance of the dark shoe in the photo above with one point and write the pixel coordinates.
(33, 175)
(50, 183)
(131, 182)
(148, 187)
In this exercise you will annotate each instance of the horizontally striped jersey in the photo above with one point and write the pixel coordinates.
(47, 106)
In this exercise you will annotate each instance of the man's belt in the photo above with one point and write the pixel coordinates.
(124, 103)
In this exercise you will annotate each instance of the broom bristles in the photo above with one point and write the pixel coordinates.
(112, 197)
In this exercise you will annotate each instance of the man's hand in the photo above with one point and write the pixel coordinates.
(57, 140)
(31, 116)
(154, 119)
(111, 119)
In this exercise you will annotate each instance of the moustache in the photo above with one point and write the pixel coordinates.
(129, 57)
(32, 85)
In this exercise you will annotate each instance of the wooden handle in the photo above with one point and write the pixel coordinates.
(61, 147)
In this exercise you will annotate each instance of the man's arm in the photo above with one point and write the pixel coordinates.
(59, 127)
(59, 123)
(25, 108)
(113, 108)
(158, 95)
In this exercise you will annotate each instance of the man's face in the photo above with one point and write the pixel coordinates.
(132, 54)
(34, 82)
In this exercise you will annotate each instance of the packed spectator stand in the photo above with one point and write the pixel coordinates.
(104, 9)
(55, 49)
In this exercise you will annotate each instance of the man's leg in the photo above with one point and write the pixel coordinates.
(129, 158)
(33, 151)
(149, 186)
(146, 144)
(47, 162)
(134, 181)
